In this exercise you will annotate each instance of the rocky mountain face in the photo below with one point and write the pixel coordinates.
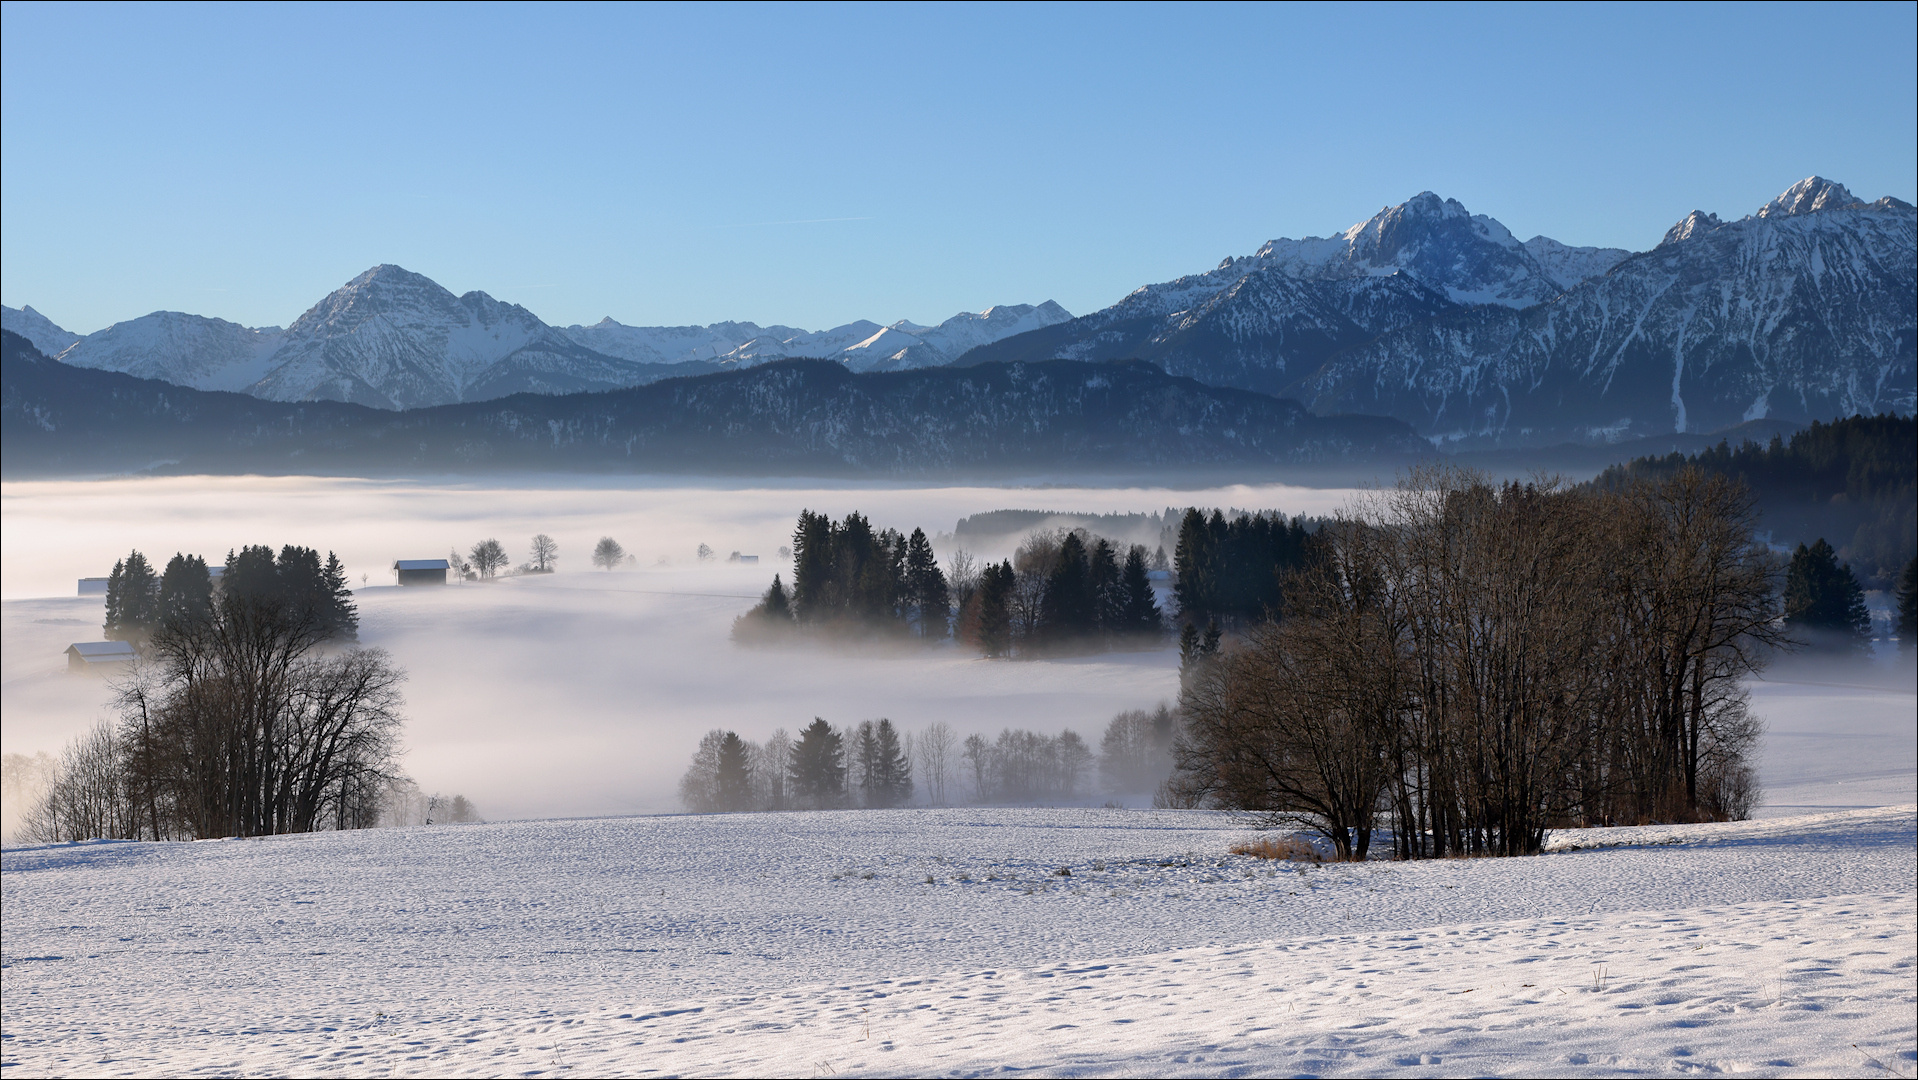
(192, 350)
(1441, 318)
(1806, 310)
(394, 339)
(798, 416)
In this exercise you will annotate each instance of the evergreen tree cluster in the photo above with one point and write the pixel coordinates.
(850, 577)
(1824, 604)
(1854, 479)
(1063, 592)
(1905, 612)
(241, 721)
(1231, 569)
(139, 604)
(1069, 592)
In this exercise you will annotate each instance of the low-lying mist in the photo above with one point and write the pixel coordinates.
(585, 691)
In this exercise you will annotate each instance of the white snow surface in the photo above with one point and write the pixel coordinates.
(947, 942)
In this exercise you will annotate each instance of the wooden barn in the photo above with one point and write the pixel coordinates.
(420, 571)
(99, 657)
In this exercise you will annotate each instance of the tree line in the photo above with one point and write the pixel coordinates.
(1854, 481)
(250, 711)
(1062, 591)
(140, 603)
(876, 766)
(1474, 663)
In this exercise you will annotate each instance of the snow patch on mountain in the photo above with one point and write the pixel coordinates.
(1809, 196)
(673, 344)
(906, 345)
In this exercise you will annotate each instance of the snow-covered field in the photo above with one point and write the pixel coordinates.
(948, 942)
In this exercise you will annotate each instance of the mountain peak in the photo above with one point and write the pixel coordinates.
(1693, 224)
(1808, 196)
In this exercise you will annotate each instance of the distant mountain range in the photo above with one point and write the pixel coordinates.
(393, 339)
(791, 417)
(1806, 310)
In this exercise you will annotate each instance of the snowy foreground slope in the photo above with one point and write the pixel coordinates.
(948, 942)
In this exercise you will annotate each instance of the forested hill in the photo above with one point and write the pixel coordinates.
(1853, 482)
(795, 417)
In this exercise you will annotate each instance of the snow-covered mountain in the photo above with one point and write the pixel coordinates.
(1805, 310)
(37, 328)
(395, 339)
(718, 342)
(1266, 320)
(905, 345)
(191, 350)
(862, 345)
(1441, 318)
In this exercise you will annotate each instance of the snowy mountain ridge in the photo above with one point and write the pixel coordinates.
(1425, 312)
(395, 339)
(862, 345)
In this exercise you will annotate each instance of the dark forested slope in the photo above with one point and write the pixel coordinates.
(1853, 482)
(806, 417)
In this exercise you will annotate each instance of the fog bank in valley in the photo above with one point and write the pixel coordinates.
(581, 692)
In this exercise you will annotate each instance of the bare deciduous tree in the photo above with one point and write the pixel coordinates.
(545, 552)
(608, 553)
(1480, 663)
(488, 557)
(937, 748)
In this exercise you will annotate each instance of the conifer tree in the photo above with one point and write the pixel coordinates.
(774, 605)
(862, 764)
(732, 779)
(818, 766)
(116, 586)
(995, 610)
(1102, 568)
(1906, 613)
(1069, 609)
(812, 566)
(133, 599)
(926, 586)
(1823, 598)
(186, 591)
(250, 575)
(1139, 614)
(890, 778)
(1192, 563)
(342, 615)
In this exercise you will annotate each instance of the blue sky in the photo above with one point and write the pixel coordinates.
(815, 165)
